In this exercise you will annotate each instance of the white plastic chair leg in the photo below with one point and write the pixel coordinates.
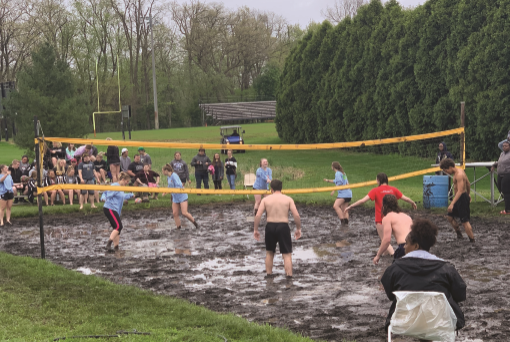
(389, 333)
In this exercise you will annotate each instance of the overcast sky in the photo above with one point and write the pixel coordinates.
(295, 11)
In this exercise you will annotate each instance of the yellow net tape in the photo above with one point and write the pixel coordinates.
(229, 192)
(281, 147)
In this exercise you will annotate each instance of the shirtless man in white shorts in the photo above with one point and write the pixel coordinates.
(396, 222)
(277, 207)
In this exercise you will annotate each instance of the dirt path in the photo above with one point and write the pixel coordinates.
(335, 293)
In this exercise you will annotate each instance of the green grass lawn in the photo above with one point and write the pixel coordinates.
(41, 301)
(297, 169)
(9, 152)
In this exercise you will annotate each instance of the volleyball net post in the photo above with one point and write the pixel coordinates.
(38, 161)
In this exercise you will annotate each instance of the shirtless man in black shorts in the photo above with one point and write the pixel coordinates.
(460, 203)
(277, 207)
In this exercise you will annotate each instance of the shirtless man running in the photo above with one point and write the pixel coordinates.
(460, 203)
(396, 222)
(277, 207)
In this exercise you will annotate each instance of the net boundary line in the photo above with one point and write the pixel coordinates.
(271, 147)
(228, 191)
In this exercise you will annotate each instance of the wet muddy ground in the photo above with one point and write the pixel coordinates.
(335, 293)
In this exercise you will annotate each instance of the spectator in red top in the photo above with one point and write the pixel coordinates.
(377, 195)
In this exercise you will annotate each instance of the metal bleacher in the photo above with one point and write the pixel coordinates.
(238, 111)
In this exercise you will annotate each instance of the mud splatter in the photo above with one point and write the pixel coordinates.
(335, 293)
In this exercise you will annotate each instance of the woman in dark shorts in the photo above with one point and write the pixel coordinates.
(113, 207)
(6, 194)
(344, 196)
(113, 159)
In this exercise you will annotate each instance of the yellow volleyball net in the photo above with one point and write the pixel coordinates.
(302, 167)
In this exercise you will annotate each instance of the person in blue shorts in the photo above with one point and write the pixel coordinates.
(113, 208)
(264, 176)
(344, 196)
(179, 200)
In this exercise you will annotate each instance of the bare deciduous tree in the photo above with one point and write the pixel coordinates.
(342, 9)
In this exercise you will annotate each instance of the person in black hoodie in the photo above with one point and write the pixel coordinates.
(419, 270)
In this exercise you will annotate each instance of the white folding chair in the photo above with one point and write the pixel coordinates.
(249, 180)
(423, 315)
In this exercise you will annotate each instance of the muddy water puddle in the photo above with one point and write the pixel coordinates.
(335, 293)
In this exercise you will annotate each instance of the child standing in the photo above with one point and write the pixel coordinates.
(179, 200)
(113, 208)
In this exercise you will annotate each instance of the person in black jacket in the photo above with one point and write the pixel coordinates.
(419, 270)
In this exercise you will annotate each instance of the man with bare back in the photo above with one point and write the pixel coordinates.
(460, 203)
(277, 207)
(394, 222)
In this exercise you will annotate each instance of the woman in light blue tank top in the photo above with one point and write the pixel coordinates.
(344, 195)
(264, 176)
(179, 199)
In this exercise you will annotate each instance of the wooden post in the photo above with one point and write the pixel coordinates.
(463, 134)
(39, 185)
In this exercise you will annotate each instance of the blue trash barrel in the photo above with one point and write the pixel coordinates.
(435, 191)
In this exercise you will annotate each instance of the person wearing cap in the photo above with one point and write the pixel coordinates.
(144, 157)
(201, 162)
(124, 160)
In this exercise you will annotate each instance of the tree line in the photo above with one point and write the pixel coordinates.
(202, 50)
(389, 71)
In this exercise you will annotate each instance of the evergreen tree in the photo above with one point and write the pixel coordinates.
(47, 89)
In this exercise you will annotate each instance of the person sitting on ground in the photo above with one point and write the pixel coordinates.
(16, 178)
(419, 270)
(459, 207)
(135, 167)
(148, 178)
(50, 180)
(394, 222)
(125, 161)
(72, 178)
(144, 157)
(180, 168)
(503, 167)
(57, 152)
(277, 207)
(25, 166)
(101, 168)
(70, 152)
(377, 194)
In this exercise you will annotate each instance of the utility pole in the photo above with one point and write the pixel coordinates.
(156, 119)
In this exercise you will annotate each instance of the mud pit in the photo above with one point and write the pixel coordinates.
(335, 293)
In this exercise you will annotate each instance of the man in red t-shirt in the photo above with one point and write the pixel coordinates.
(377, 195)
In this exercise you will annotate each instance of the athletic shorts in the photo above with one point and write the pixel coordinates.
(278, 233)
(179, 198)
(461, 209)
(346, 199)
(399, 252)
(7, 196)
(114, 219)
(88, 181)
